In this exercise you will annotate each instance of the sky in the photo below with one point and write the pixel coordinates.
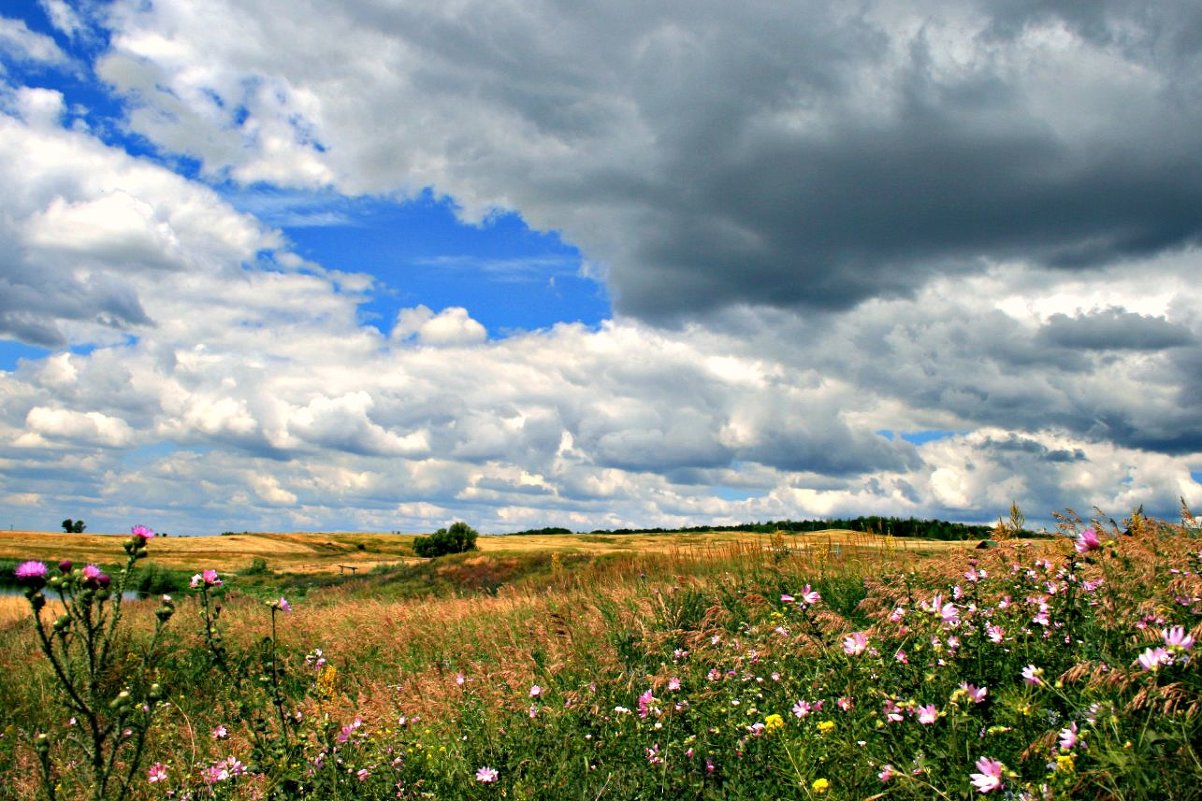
(371, 265)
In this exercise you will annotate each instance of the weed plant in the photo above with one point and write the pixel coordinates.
(1060, 669)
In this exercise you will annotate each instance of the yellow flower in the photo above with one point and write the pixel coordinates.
(773, 722)
(826, 726)
(1065, 763)
(820, 785)
(326, 681)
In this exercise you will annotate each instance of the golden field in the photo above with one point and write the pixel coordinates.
(334, 552)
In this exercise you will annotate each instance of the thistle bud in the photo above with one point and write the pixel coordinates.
(64, 566)
(156, 692)
(41, 743)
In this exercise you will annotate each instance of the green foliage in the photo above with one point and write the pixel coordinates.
(74, 526)
(458, 538)
(257, 567)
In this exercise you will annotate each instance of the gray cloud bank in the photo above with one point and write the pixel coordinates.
(823, 228)
(802, 155)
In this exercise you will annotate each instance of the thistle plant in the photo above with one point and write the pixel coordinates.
(108, 692)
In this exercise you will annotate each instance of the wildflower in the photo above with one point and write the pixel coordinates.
(826, 726)
(1152, 658)
(892, 711)
(974, 693)
(220, 732)
(809, 597)
(208, 578)
(1033, 675)
(820, 786)
(362, 774)
(674, 684)
(785, 598)
(900, 656)
(535, 691)
(1065, 763)
(854, 644)
(1068, 737)
(142, 532)
(460, 679)
(32, 574)
(897, 614)
(773, 722)
(886, 774)
(345, 733)
(950, 614)
(157, 773)
(486, 775)
(845, 703)
(645, 703)
(990, 776)
(1176, 638)
(995, 633)
(756, 729)
(1087, 541)
(533, 711)
(282, 604)
(802, 708)
(653, 756)
(927, 714)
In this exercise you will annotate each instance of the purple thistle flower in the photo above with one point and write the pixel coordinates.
(142, 532)
(486, 775)
(32, 573)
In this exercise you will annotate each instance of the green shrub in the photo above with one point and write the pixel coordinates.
(458, 538)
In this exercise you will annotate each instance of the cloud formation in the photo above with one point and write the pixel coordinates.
(804, 156)
(902, 259)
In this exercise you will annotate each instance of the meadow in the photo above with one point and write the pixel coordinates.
(721, 666)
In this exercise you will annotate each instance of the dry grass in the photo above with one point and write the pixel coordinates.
(325, 553)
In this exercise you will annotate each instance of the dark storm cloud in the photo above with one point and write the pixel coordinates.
(801, 155)
(1114, 329)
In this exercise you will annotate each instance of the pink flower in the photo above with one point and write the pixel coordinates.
(283, 605)
(855, 643)
(460, 679)
(927, 714)
(975, 694)
(208, 578)
(995, 632)
(362, 774)
(892, 711)
(787, 599)
(1176, 637)
(990, 776)
(802, 708)
(536, 691)
(645, 702)
(1033, 675)
(32, 573)
(142, 532)
(1087, 541)
(345, 733)
(845, 703)
(486, 775)
(533, 711)
(1068, 737)
(220, 732)
(1152, 658)
(887, 773)
(809, 596)
(157, 773)
(673, 684)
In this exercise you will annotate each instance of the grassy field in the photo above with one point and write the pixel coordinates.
(335, 552)
(716, 666)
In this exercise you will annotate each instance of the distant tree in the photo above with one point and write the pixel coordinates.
(459, 537)
(74, 526)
